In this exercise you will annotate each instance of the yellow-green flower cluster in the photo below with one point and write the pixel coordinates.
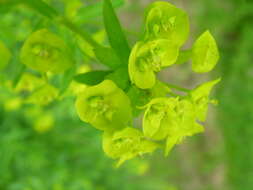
(106, 107)
(126, 144)
(167, 29)
(171, 118)
(174, 118)
(168, 117)
(47, 54)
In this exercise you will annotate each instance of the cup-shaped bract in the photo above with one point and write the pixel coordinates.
(44, 51)
(158, 117)
(105, 106)
(200, 98)
(126, 144)
(205, 54)
(183, 123)
(165, 21)
(147, 58)
(5, 56)
(170, 118)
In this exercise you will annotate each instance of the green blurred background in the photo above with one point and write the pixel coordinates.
(68, 155)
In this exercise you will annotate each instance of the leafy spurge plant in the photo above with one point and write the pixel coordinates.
(110, 99)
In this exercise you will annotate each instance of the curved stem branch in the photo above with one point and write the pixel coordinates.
(178, 88)
(82, 33)
(184, 56)
(49, 12)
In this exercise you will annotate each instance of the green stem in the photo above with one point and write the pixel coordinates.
(178, 88)
(49, 12)
(184, 56)
(82, 33)
(132, 33)
(45, 77)
(173, 94)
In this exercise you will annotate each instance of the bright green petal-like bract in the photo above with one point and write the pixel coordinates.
(173, 140)
(147, 58)
(200, 97)
(157, 117)
(183, 124)
(205, 54)
(104, 106)
(46, 52)
(126, 144)
(5, 55)
(165, 21)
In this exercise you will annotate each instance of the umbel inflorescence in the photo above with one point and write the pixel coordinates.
(115, 97)
(168, 118)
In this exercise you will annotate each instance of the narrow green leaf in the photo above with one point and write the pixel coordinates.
(107, 56)
(91, 78)
(115, 33)
(42, 7)
(91, 11)
(66, 79)
(120, 77)
(48, 11)
(19, 71)
(81, 32)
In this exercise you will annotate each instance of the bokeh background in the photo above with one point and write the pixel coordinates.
(67, 155)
